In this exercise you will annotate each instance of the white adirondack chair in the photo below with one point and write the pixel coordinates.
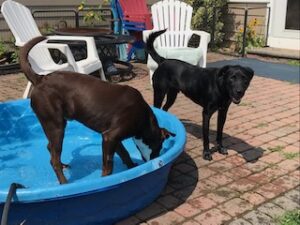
(175, 16)
(24, 28)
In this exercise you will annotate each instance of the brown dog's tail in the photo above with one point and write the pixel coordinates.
(24, 62)
(150, 46)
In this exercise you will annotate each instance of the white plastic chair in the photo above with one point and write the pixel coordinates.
(24, 28)
(176, 16)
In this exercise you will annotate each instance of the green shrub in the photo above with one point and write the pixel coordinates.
(203, 12)
(252, 39)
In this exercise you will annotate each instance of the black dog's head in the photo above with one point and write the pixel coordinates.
(236, 80)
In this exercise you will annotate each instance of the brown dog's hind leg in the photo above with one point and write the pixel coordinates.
(55, 134)
(124, 155)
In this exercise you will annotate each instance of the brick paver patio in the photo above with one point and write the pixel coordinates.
(227, 190)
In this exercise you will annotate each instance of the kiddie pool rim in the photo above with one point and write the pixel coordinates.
(108, 182)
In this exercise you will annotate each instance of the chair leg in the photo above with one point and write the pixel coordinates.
(27, 90)
(102, 74)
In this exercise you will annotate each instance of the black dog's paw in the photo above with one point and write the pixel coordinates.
(207, 156)
(222, 150)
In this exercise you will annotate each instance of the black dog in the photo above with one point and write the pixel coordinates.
(212, 88)
(117, 111)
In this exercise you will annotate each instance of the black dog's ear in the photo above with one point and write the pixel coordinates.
(223, 70)
(250, 72)
(166, 134)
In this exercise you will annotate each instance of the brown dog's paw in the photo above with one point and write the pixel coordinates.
(207, 156)
(65, 166)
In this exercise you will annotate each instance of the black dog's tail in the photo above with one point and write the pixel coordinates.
(24, 62)
(150, 46)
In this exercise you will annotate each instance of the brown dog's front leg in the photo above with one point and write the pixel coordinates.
(109, 145)
(124, 155)
(207, 155)
(222, 113)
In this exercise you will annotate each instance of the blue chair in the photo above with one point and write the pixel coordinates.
(134, 18)
(118, 30)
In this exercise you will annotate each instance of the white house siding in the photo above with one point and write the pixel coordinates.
(278, 37)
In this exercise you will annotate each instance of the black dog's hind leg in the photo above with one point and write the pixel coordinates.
(222, 113)
(206, 115)
(159, 96)
(171, 97)
(124, 155)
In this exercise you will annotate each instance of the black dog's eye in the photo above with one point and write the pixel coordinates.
(233, 78)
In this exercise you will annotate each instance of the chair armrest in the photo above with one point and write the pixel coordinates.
(205, 38)
(90, 42)
(203, 45)
(63, 48)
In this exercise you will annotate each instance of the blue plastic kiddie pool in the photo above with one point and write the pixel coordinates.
(88, 198)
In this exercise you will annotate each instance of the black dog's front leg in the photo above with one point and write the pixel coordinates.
(206, 115)
(222, 113)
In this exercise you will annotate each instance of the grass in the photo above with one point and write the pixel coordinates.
(290, 155)
(246, 104)
(289, 218)
(277, 148)
(294, 62)
(260, 125)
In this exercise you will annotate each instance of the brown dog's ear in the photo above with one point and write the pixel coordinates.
(166, 134)
(223, 71)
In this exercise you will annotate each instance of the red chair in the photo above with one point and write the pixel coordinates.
(136, 11)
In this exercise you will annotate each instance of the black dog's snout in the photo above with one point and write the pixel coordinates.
(239, 91)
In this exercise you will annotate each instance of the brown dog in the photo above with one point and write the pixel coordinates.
(117, 111)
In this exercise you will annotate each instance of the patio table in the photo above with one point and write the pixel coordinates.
(106, 44)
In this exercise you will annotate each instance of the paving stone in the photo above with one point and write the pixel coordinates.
(235, 207)
(187, 210)
(258, 218)
(153, 210)
(242, 185)
(220, 179)
(286, 203)
(239, 222)
(253, 198)
(212, 217)
(271, 209)
(202, 203)
(294, 195)
(191, 222)
(270, 190)
(169, 218)
(169, 201)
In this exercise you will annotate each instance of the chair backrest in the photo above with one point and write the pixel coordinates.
(24, 28)
(20, 21)
(176, 16)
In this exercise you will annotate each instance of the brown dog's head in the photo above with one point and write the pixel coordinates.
(236, 80)
(150, 146)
